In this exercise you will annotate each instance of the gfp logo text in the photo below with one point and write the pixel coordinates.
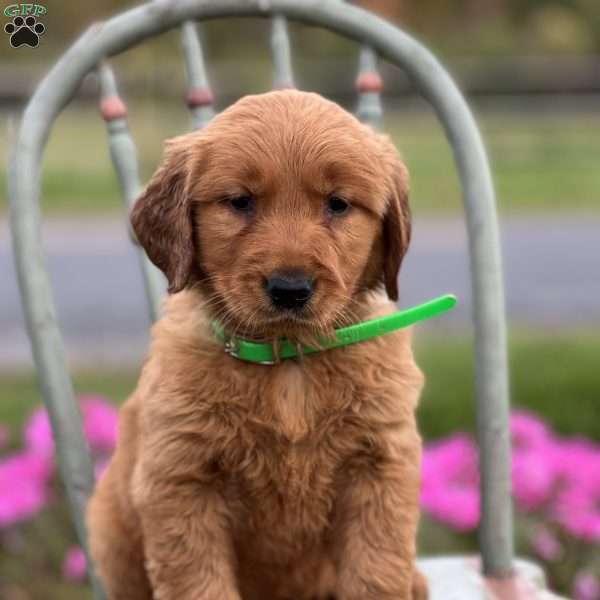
(24, 10)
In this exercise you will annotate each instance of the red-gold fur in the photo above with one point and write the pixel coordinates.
(234, 480)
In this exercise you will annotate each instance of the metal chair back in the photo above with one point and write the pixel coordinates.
(379, 39)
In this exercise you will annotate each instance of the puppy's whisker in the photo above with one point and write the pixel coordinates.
(252, 319)
(214, 303)
(240, 324)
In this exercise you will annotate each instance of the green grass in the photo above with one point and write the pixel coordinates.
(19, 394)
(540, 162)
(31, 559)
(39, 545)
(543, 161)
(555, 376)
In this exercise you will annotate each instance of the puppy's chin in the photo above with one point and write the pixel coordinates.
(264, 325)
(300, 329)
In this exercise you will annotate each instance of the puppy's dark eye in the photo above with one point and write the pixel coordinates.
(242, 204)
(337, 205)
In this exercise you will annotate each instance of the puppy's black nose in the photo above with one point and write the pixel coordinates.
(291, 291)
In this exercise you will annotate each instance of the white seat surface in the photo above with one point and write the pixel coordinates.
(459, 578)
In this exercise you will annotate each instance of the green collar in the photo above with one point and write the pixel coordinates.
(263, 354)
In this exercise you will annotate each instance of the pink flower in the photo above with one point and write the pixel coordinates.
(450, 491)
(576, 506)
(533, 466)
(586, 587)
(577, 462)
(38, 434)
(24, 476)
(74, 564)
(533, 477)
(546, 545)
(527, 430)
(577, 509)
(100, 423)
(23, 486)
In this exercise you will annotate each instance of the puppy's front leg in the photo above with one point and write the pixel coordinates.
(377, 524)
(189, 554)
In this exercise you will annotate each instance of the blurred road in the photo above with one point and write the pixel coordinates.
(552, 268)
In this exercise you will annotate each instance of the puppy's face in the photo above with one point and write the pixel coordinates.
(284, 209)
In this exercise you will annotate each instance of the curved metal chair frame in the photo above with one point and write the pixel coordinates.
(379, 38)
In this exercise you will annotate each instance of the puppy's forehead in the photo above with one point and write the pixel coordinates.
(287, 106)
(297, 132)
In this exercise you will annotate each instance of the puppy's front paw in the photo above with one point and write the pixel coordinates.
(420, 589)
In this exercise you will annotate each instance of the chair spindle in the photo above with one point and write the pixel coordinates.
(369, 85)
(283, 76)
(124, 157)
(200, 99)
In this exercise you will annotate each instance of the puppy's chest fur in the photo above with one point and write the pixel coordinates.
(283, 444)
(281, 476)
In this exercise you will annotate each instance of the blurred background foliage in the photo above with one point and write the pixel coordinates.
(492, 34)
(490, 27)
(514, 27)
(530, 67)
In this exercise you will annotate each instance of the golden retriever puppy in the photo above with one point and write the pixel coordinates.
(284, 218)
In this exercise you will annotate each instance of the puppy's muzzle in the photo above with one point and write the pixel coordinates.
(289, 291)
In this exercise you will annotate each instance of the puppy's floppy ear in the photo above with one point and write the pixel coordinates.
(397, 220)
(161, 217)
